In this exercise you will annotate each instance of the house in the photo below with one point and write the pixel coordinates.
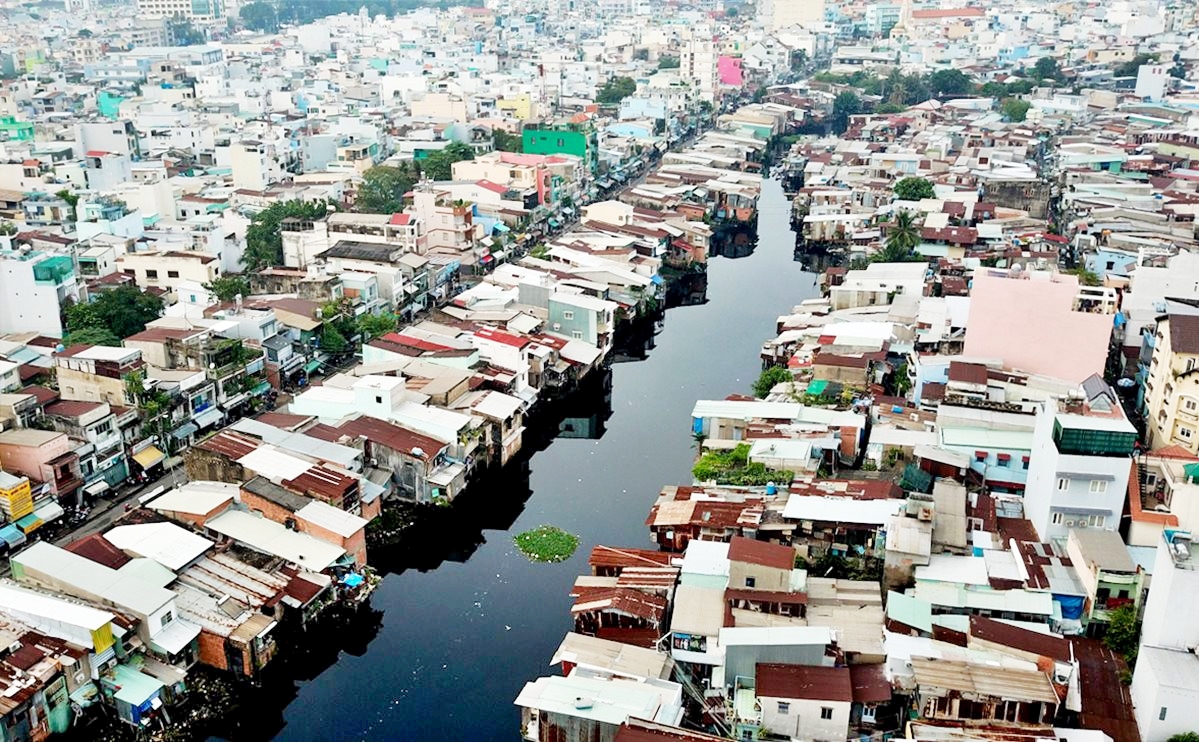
(1080, 462)
(591, 708)
(602, 656)
(1108, 573)
(43, 456)
(953, 691)
(1165, 682)
(97, 374)
(1172, 388)
(797, 701)
(1163, 493)
(307, 515)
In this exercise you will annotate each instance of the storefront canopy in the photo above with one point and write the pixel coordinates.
(97, 488)
(29, 523)
(208, 417)
(262, 387)
(184, 431)
(49, 510)
(12, 536)
(148, 457)
(312, 365)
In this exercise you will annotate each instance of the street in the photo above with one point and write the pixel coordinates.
(108, 509)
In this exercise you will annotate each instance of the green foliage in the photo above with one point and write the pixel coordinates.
(332, 340)
(1122, 631)
(183, 33)
(228, 286)
(1014, 109)
(846, 104)
(1085, 277)
(71, 198)
(372, 326)
(506, 141)
(438, 165)
(260, 17)
(1185, 737)
(734, 467)
(1006, 90)
(949, 83)
(900, 380)
(615, 90)
(264, 244)
(1046, 69)
(541, 252)
(914, 189)
(92, 336)
(890, 108)
(548, 544)
(1133, 66)
(121, 312)
(667, 62)
(383, 187)
(769, 378)
(902, 239)
(7, 228)
(1179, 70)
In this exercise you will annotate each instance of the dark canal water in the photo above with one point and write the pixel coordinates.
(464, 620)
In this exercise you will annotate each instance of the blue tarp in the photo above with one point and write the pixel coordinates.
(1072, 605)
(352, 580)
(12, 535)
(501, 227)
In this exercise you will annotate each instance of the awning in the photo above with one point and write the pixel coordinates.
(604, 183)
(29, 523)
(175, 637)
(1004, 456)
(148, 457)
(96, 489)
(49, 510)
(312, 365)
(184, 430)
(555, 223)
(487, 259)
(234, 401)
(568, 210)
(207, 417)
(12, 536)
(501, 227)
(498, 254)
(263, 387)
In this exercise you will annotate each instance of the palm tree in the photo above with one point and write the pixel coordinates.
(902, 239)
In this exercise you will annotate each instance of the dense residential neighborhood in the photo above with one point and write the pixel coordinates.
(308, 311)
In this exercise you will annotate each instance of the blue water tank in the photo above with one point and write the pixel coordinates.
(771, 488)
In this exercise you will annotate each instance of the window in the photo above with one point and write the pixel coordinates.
(1063, 484)
(1184, 433)
(784, 708)
(167, 618)
(1098, 486)
(1161, 715)
(1057, 519)
(151, 274)
(1095, 521)
(378, 400)
(577, 335)
(1025, 463)
(172, 274)
(567, 314)
(826, 712)
(1190, 405)
(751, 582)
(1004, 462)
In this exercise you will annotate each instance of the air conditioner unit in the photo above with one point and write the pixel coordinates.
(557, 326)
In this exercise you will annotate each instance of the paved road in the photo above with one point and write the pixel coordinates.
(108, 509)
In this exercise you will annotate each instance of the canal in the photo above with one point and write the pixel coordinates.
(463, 620)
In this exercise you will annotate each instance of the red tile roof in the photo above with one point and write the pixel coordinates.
(500, 336)
(99, 550)
(609, 557)
(65, 408)
(968, 373)
(44, 395)
(493, 187)
(390, 435)
(804, 682)
(1184, 333)
(400, 220)
(998, 632)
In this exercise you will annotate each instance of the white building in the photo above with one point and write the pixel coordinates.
(1165, 685)
(774, 15)
(33, 286)
(1080, 462)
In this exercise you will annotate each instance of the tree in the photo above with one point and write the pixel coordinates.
(1086, 277)
(799, 60)
(1133, 66)
(125, 310)
(949, 83)
(182, 33)
(890, 108)
(264, 243)
(372, 326)
(439, 165)
(260, 17)
(71, 199)
(1121, 636)
(333, 341)
(914, 189)
(506, 141)
(228, 286)
(769, 379)
(902, 239)
(383, 188)
(92, 336)
(1014, 109)
(615, 90)
(1179, 70)
(667, 62)
(1185, 737)
(846, 104)
(1046, 69)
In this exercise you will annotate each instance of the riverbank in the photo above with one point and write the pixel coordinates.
(462, 602)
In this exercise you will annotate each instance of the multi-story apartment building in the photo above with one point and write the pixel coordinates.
(1172, 389)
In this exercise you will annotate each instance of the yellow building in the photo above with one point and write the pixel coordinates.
(519, 107)
(1172, 388)
(16, 497)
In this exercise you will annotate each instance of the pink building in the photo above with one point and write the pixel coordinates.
(1038, 324)
(729, 70)
(43, 456)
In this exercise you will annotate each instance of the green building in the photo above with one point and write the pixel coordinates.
(563, 139)
(12, 130)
